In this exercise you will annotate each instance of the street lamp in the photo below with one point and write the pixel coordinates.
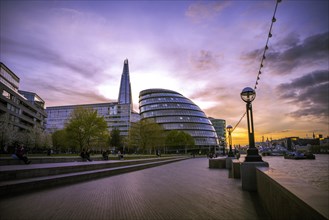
(248, 95)
(229, 128)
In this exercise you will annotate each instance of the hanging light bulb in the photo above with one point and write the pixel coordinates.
(260, 72)
(273, 19)
(264, 57)
(266, 47)
(270, 34)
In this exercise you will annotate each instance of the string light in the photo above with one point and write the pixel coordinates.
(263, 56)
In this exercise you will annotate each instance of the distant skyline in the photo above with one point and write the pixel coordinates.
(72, 52)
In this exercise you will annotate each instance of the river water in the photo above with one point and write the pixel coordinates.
(315, 172)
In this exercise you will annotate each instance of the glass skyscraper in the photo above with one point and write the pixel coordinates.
(220, 128)
(175, 112)
(118, 115)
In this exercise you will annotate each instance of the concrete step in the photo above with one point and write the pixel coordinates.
(7, 160)
(38, 170)
(12, 187)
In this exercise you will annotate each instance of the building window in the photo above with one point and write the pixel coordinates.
(6, 94)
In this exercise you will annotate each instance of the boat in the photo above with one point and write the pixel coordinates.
(273, 151)
(299, 156)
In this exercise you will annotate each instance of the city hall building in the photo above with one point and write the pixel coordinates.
(173, 111)
(118, 115)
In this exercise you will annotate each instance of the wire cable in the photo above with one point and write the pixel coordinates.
(263, 57)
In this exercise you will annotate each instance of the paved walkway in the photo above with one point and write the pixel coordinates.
(182, 190)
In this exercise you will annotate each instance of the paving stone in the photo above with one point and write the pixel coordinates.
(182, 190)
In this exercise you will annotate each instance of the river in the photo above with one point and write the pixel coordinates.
(315, 172)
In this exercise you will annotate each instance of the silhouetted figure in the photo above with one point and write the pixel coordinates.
(120, 155)
(85, 154)
(21, 154)
(105, 155)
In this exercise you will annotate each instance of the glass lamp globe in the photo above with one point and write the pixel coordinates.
(248, 94)
(229, 127)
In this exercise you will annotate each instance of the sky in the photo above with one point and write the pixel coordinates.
(72, 52)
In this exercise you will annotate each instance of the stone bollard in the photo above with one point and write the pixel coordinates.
(235, 171)
(217, 162)
(248, 174)
(229, 162)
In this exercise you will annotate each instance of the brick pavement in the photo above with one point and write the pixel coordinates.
(182, 190)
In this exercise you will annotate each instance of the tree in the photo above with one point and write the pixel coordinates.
(7, 136)
(134, 136)
(115, 138)
(60, 141)
(146, 135)
(86, 128)
(177, 140)
(25, 137)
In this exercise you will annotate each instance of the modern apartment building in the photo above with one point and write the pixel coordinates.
(19, 110)
(173, 111)
(118, 115)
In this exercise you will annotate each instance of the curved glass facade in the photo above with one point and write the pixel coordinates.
(175, 112)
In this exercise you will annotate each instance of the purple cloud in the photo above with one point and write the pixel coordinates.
(310, 93)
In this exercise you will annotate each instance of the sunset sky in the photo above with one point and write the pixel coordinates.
(72, 52)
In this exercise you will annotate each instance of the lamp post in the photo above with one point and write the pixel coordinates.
(248, 95)
(224, 144)
(229, 128)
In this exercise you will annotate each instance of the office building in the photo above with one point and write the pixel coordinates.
(220, 128)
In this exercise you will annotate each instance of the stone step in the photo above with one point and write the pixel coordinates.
(39, 170)
(7, 160)
(11, 187)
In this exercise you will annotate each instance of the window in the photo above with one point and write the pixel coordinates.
(6, 94)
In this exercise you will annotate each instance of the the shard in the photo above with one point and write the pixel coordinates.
(125, 88)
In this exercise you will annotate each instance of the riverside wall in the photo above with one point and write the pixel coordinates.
(286, 197)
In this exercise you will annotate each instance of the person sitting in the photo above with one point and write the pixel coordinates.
(105, 155)
(21, 154)
(120, 155)
(85, 155)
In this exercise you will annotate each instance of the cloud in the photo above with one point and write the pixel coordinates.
(290, 40)
(204, 60)
(200, 11)
(309, 93)
(293, 53)
(55, 76)
(43, 54)
(55, 95)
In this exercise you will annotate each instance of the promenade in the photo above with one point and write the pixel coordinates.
(186, 189)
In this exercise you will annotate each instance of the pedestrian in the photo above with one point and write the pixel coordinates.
(21, 154)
